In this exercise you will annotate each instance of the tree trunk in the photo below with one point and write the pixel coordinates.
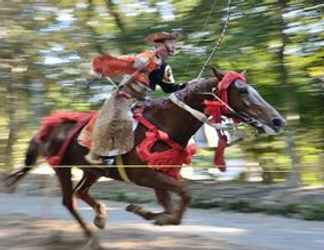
(116, 15)
(11, 100)
(293, 178)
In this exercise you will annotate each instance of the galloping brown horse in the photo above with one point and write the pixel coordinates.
(244, 101)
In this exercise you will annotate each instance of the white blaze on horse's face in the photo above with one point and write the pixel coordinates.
(267, 119)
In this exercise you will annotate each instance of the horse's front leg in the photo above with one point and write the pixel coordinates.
(159, 181)
(82, 192)
(163, 198)
(176, 215)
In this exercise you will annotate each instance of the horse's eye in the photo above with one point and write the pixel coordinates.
(243, 90)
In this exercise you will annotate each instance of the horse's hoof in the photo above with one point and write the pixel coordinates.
(93, 244)
(100, 222)
(8, 186)
(166, 219)
(101, 216)
(132, 208)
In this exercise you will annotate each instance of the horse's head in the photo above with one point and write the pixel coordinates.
(242, 101)
(207, 100)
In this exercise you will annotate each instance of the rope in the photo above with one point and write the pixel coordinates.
(219, 41)
(204, 26)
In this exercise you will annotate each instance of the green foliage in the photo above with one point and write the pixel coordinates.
(313, 212)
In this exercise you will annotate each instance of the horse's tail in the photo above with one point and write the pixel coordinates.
(30, 159)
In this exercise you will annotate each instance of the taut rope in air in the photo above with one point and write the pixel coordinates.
(219, 41)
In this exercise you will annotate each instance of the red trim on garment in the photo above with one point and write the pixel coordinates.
(108, 65)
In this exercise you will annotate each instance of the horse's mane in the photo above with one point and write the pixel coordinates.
(192, 87)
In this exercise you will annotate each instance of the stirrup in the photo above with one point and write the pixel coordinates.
(108, 161)
(91, 160)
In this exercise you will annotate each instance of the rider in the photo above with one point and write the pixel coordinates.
(112, 130)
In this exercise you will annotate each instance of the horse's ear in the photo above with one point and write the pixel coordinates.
(243, 73)
(219, 74)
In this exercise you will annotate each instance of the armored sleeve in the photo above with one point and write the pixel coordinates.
(163, 77)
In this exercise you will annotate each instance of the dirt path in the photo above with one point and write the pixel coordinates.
(302, 202)
(21, 232)
(32, 222)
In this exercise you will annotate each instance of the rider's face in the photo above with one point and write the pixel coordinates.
(167, 48)
(170, 45)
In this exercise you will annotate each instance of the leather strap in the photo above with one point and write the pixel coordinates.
(195, 113)
(121, 169)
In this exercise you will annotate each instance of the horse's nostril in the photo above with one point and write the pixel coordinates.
(277, 122)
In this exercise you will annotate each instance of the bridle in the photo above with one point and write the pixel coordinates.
(219, 105)
(238, 116)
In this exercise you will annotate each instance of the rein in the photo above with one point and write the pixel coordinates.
(220, 39)
(202, 117)
(194, 112)
(214, 109)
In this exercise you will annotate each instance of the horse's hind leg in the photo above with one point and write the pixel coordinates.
(11, 180)
(164, 199)
(64, 176)
(82, 192)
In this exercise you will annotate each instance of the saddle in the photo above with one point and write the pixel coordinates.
(85, 137)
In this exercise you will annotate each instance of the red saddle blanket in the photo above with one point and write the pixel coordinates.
(54, 120)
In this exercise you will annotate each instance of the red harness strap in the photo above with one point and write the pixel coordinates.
(213, 109)
(164, 161)
(216, 109)
(219, 152)
(223, 85)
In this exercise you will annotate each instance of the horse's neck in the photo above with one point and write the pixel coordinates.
(177, 122)
(195, 93)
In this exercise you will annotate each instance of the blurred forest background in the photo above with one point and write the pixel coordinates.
(46, 47)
